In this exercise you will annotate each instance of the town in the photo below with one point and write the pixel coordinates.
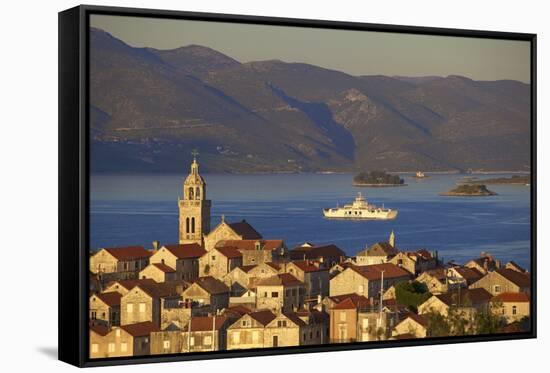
(230, 288)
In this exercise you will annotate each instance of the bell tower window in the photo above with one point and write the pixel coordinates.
(198, 193)
(187, 225)
(190, 193)
(192, 225)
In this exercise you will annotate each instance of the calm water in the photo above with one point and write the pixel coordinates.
(138, 209)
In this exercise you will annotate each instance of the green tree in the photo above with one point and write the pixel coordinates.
(411, 294)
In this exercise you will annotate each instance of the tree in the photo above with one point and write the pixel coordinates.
(437, 325)
(411, 294)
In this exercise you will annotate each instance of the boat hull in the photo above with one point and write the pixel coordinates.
(385, 214)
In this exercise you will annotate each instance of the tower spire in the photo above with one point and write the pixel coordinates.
(392, 239)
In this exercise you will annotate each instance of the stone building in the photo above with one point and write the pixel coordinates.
(258, 251)
(343, 318)
(312, 273)
(169, 340)
(485, 263)
(145, 302)
(511, 306)
(126, 340)
(207, 291)
(194, 208)
(504, 281)
(219, 261)
(184, 258)
(118, 263)
(462, 276)
(280, 293)
(415, 262)
(206, 333)
(159, 272)
(413, 325)
(380, 252)
(249, 330)
(225, 231)
(105, 307)
(243, 278)
(435, 280)
(124, 286)
(465, 301)
(367, 280)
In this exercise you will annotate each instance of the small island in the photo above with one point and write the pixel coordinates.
(377, 179)
(514, 180)
(469, 190)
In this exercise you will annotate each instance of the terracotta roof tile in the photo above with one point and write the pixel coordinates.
(141, 329)
(128, 252)
(309, 266)
(206, 323)
(316, 252)
(374, 272)
(100, 329)
(185, 251)
(251, 244)
(511, 297)
(129, 284)
(212, 285)
(111, 298)
(353, 301)
(264, 317)
(519, 279)
(418, 318)
(229, 252)
(285, 279)
(245, 230)
(471, 297)
(164, 268)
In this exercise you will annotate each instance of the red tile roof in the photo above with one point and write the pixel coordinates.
(520, 279)
(380, 249)
(285, 279)
(128, 252)
(206, 323)
(99, 329)
(418, 318)
(292, 316)
(251, 244)
(264, 317)
(141, 329)
(185, 251)
(309, 266)
(212, 285)
(245, 230)
(352, 301)
(160, 290)
(469, 274)
(316, 252)
(111, 298)
(229, 252)
(374, 272)
(511, 297)
(164, 268)
(466, 297)
(129, 284)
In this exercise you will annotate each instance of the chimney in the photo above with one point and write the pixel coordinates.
(319, 299)
(156, 245)
(497, 263)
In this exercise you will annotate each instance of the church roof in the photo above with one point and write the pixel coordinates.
(245, 230)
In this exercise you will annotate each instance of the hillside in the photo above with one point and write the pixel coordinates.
(150, 107)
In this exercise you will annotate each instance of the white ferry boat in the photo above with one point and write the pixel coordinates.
(360, 209)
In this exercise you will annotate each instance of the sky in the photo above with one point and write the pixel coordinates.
(353, 52)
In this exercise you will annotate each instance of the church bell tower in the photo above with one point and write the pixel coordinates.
(194, 208)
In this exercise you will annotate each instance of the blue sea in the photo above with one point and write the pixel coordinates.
(137, 209)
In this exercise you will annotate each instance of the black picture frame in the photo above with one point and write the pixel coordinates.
(74, 182)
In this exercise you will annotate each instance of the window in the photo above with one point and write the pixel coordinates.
(111, 347)
(130, 307)
(343, 316)
(274, 294)
(192, 225)
(166, 345)
(293, 292)
(497, 288)
(142, 308)
(117, 333)
(124, 347)
(365, 323)
(213, 257)
(514, 310)
(244, 323)
(237, 337)
(265, 294)
(95, 347)
(281, 323)
(94, 315)
(288, 293)
(207, 340)
(192, 341)
(187, 225)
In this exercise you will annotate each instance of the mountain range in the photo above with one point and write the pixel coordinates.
(150, 108)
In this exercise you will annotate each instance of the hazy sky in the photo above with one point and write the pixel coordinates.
(353, 52)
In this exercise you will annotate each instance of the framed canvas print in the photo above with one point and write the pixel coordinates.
(233, 186)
